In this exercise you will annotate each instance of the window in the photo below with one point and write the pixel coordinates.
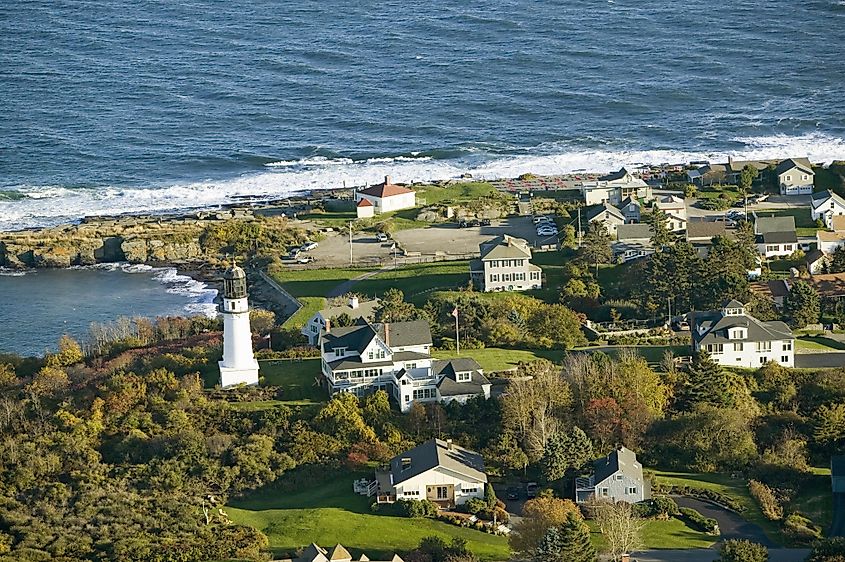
(787, 247)
(714, 348)
(424, 393)
(804, 177)
(404, 381)
(763, 346)
(370, 355)
(787, 178)
(338, 351)
(772, 248)
(784, 358)
(632, 490)
(737, 347)
(406, 463)
(411, 493)
(470, 490)
(314, 329)
(763, 360)
(442, 492)
(604, 492)
(410, 365)
(619, 477)
(787, 346)
(464, 377)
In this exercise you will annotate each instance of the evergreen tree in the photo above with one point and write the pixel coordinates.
(564, 451)
(706, 383)
(837, 262)
(746, 242)
(490, 496)
(746, 179)
(570, 542)
(595, 248)
(801, 305)
(661, 235)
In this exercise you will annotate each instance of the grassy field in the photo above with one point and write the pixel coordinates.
(332, 513)
(296, 378)
(310, 305)
(463, 191)
(819, 343)
(315, 282)
(665, 535)
(815, 499)
(734, 487)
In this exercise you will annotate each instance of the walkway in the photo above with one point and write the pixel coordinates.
(731, 525)
(346, 286)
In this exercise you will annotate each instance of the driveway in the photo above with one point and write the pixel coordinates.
(731, 525)
(708, 555)
(828, 359)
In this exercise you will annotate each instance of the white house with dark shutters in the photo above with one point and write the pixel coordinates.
(734, 338)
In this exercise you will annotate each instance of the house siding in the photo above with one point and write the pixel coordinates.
(417, 487)
(795, 182)
(495, 273)
(749, 357)
(617, 490)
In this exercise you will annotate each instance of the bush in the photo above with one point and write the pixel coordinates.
(661, 507)
(767, 500)
(828, 550)
(702, 494)
(475, 505)
(417, 508)
(743, 551)
(698, 521)
(800, 528)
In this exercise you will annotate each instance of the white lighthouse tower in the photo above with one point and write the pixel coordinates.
(238, 365)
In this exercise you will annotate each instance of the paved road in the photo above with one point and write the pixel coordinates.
(709, 555)
(828, 359)
(731, 525)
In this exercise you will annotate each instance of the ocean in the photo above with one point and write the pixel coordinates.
(143, 105)
(39, 306)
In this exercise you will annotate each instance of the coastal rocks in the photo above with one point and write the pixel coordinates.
(141, 250)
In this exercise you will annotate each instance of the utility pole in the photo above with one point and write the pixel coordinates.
(350, 242)
(669, 302)
(579, 226)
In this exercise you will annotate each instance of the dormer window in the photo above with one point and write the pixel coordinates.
(338, 351)
(736, 333)
(406, 463)
(464, 377)
(734, 311)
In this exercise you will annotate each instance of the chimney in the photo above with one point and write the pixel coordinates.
(449, 444)
(328, 325)
(386, 180)
(353, 302)
(387, 334)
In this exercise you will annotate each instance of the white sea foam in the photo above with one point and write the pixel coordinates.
(5, 272)
(51, 205)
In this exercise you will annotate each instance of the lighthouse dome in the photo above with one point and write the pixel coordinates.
(234, 283)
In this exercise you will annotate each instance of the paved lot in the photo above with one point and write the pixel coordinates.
(447, 237)
(334, 249)
(708, 555)
(731, 525)
(828, 359)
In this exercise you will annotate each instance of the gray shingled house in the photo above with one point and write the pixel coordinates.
(616, 477)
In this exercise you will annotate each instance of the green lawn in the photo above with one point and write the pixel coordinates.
(310, 306)
(734, 487)
(804, 223)
(296, 377)
(315, 282)
(417, 281)
(815, 499)
(331, 513)
(463, 191)
(670, 534)
(819, 343)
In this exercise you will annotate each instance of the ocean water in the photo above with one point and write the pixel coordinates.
(152, 105)
(39, 306)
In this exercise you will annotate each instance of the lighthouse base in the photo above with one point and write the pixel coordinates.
(231, 376)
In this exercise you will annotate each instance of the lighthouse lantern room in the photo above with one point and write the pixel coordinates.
(238, 365)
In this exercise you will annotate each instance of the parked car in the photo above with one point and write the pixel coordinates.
(294, 253)
(538, 220)
(305, 259)
(475, 222)
(513, 493)
(381, 237)
(547, 231)
(308, 246)
(485, 222)
(531, 490)
(760, 198)
(463, 224)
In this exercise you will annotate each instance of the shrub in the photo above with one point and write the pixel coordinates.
(702, 494)
(418, 508)
(375, 507)
(828, 550)
(800, 528)
(698, 521)
(767, 500)
(474, 505)
(743, 551)
(660, 507)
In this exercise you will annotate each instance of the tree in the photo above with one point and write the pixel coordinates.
(569, 240)
(706, 382)
(569, 542)
(837, 261)
(746, 179)
(69, 353)
(538, 516)
(801, 305)
(564, 451)
(342, 418)
(261, 321)
(661, 235)
(829, 421)
(595, 247)
(733, 550)
(393, 308)
(490, 496)
(828, 550)
(505, 453)
(620, 527)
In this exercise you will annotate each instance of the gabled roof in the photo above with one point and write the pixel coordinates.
(449, 385)
(363, 310)
(404, 334)
(619, 460)
(671, 202)
(813, 256)
(613, 176)
(634, 232)
(738, 165)
(629, 201)
(779, 237)
(394, 334)
(712, 327)
(438, 453)
(356, 337)
(364, 203)
(705, 229)
(802, 164)
(774, 224)
(594, 212)
(829, 284)
(823, 197)
(505, 247)
(825, 236)
(313, 553)
(339, 554)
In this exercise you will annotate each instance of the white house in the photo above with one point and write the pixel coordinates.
(435, 470)
(775, 236)
(825, 205)
(387, 196)
(633, 241)
(828, 242)
(365, 209)
(396, 357)
(608, 215)
(353, 308)
(614, 188)
(505, 265)
(795, 176)
(676, 212)
(734, 338)
(815, 260)
(616, 477)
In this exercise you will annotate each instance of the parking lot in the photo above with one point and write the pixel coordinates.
(448, 238)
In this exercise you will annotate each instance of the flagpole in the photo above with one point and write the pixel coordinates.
(457, 335)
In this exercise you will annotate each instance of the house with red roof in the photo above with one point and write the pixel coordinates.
(365, 209)
(386, 197)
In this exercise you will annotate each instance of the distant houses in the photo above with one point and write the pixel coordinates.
(505, 265)
(396, 357)
(337, 553)
(614, 188)
(633, 241)
(385, 197)
(616, 477)
(675, 209)
(436, 470)
(794, 176)
(609, 216)
(732, 337)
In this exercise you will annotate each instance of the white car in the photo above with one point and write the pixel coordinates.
(308, 246)
(547, 232)
(539, 220)
(381, 237)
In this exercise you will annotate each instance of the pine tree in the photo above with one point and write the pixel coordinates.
(801, 305)
(661, 235)
(565, 451)
(706, 383)
(595, 248)
(570, 542)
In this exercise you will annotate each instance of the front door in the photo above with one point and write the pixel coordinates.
(441, 494)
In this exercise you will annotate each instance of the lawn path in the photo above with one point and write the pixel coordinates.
(346, 286)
